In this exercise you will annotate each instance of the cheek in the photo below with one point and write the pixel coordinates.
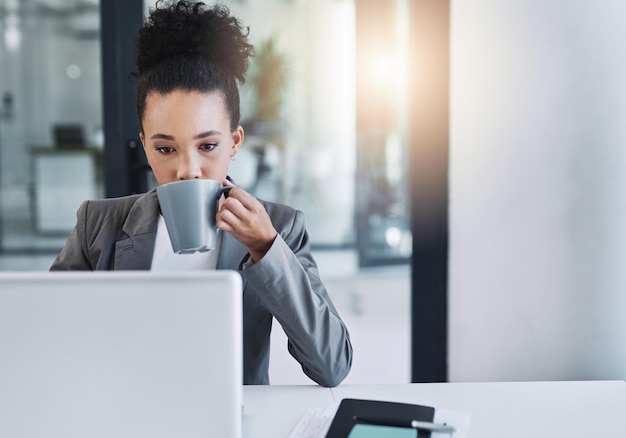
(162, 169)
(160, 176)
(215, 168)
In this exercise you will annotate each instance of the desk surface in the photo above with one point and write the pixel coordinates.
(520, 409)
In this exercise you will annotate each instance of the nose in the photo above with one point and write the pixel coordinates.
(189, 166)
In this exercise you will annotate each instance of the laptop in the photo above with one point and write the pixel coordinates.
(121, 354)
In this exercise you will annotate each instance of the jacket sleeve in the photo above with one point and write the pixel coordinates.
(73, 256)
(287, 280)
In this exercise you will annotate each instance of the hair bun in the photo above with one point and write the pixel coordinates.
(186, 29)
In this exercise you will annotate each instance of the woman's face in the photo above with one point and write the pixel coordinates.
(186, 135)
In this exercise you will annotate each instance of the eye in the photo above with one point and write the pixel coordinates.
(207, 146)
(164, 149)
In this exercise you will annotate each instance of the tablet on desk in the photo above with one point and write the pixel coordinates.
(357, 418)
(121, 354)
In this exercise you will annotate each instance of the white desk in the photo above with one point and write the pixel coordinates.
(273, 411)
(523, 409)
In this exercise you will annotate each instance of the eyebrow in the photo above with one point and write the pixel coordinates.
(207, 134)
(199, 136)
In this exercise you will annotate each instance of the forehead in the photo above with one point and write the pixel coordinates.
(180, 106)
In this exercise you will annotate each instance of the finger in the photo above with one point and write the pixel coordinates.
(240, 217)
(247, 200)
(226, 221)
(233, 205)
(228, 183)
(231, 214)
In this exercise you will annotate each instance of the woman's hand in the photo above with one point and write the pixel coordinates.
(243, 216)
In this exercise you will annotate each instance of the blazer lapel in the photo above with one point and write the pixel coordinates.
(135, 252)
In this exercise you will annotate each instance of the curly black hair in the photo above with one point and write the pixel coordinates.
(189, 46)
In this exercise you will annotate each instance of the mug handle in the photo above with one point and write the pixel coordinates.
(221, 191)
(224, 191)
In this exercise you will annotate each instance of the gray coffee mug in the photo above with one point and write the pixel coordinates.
(189, 208)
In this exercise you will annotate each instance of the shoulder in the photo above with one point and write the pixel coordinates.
(114, 211)
(289, 222)
(123, 202)
(109, 206)
(282, 214)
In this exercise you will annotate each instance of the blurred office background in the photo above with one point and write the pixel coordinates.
(536, 198)
(303, 150)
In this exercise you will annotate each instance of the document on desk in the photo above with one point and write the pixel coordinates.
(316, 422)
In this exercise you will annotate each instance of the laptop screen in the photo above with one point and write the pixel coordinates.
(121, 354)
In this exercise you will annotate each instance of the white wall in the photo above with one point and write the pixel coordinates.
(537, 190)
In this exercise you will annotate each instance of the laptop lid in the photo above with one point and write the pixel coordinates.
(121, 354)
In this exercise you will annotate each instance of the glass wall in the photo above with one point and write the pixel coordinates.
(312, 153)
(305, 156)
(345, 165)
(50, 119)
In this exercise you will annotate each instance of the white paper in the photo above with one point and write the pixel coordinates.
(314, 423)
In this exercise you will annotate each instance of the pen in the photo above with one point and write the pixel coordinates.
(414, 424)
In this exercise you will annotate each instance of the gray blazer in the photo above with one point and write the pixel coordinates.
(119, 233)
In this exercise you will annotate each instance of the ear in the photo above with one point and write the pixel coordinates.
(238, 136)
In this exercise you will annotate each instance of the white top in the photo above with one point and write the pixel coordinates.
(165, 259)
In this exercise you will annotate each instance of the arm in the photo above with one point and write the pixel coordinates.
(287, 280)
(73, 256)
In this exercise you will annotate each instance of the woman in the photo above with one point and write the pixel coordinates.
(190, 59)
